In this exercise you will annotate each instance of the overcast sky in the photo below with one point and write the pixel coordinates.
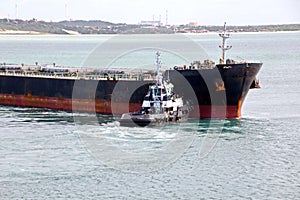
(207, 12)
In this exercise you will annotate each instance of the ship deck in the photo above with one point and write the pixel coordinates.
(75, 73)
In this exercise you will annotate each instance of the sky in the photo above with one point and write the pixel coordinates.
(204, 12)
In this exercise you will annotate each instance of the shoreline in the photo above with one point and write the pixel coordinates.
(74, 33)
(13, 32)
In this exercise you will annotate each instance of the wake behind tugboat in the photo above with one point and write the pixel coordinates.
(161, 106)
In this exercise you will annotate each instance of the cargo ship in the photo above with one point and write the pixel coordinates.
(215, 90)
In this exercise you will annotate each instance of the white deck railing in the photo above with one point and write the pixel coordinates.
(81, 76)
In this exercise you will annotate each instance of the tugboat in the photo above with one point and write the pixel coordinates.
(161, 106)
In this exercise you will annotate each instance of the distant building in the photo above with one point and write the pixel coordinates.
(193, 24)
(150, 23)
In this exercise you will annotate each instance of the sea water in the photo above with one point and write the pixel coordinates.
(46, 154)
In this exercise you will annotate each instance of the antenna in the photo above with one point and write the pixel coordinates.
(158, 69)
(224, 48)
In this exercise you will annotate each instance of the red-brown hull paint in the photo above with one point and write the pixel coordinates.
(107, 107)
(216, 112)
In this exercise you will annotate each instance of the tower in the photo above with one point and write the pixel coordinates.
(66, 10)
(167, 17)
(159, 20)
(16, 11)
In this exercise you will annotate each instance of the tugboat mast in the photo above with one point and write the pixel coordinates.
(158, 69)
(224, 47)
